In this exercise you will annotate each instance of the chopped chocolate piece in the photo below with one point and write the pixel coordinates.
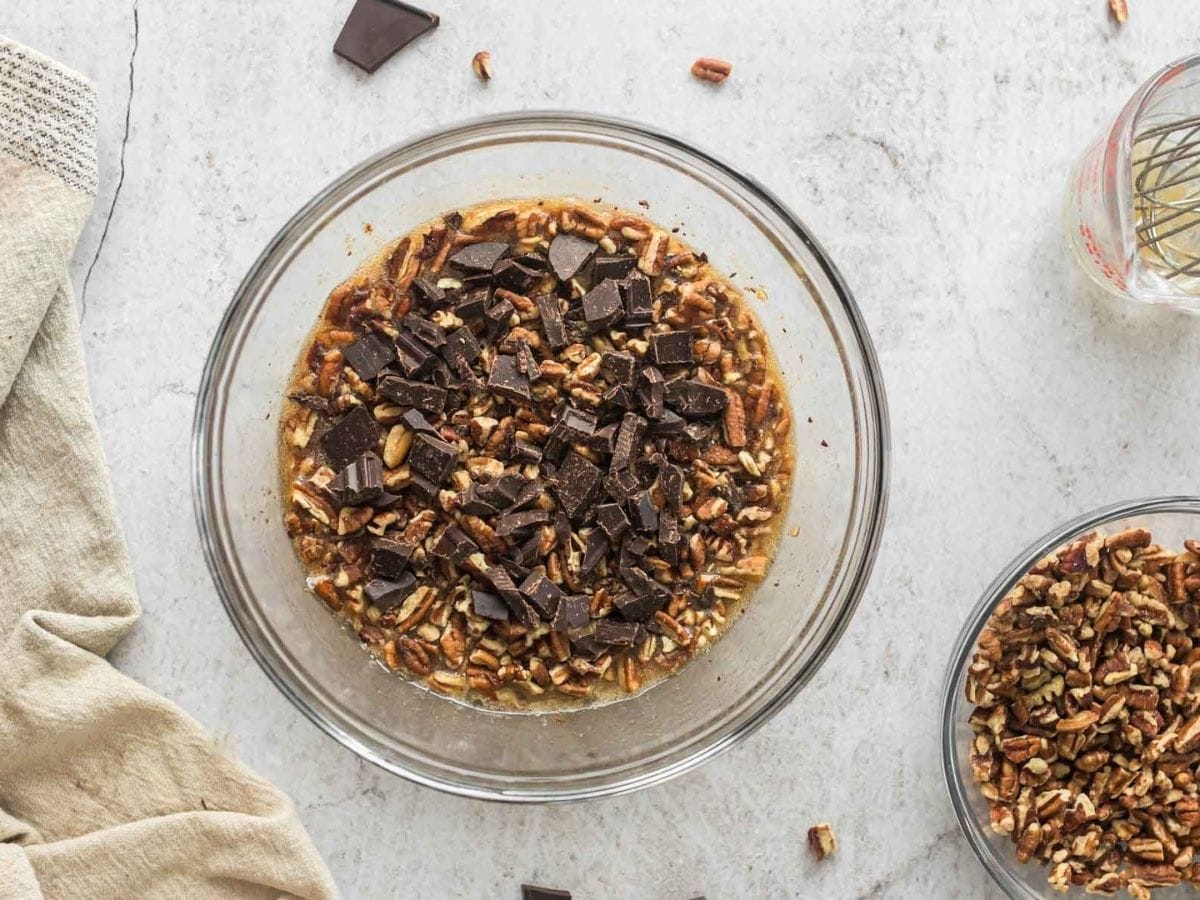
(454, 545)
(507, 588)
(602, 305)
(671, 349)
(425, 397)
(647, 597)
(376, 29)
(619, 368)
(622, 634)
(554, 449)
(575, 426)
(668, 424)
(512, 275)
(390, 558)
(421, 488)
(612, 519)
(477, 281)
(645, 516)
(415, 358)
(414, 421)
(369, 354)
(507, 379)
(628, 445)
(488, 605)
(497, 317)
(668, 536)
(525, 452)
(562, 530)
(426, 292)
(462, 348)
(529, 552)
(670, 479)
(552, 321)
(613, 267)
(697, 432)
(695, 398)
(603, 439)
(387, 500)
(472, 305)
(633, 551)
(639, 301)
(594, 551)
(432, 457)
(387, 593)
(621, 484)
(526, 361)
(543, 593)
(430, 333)
(573, 612)
(529, 493)
(473, 505)
(354, 434)
(481, 257)
(618, 395)
(360, 482)
(568, 254)
(587, 646)
(577, 484)
(706, 598)
(501, 492)
(652, 393)
(311, 401)
(510, 523)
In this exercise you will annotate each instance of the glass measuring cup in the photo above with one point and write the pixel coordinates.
(1132, 212)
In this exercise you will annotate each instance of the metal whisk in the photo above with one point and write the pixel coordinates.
(1166, 197)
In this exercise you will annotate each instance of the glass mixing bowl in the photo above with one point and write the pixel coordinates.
(1170, 520)
(794, 619)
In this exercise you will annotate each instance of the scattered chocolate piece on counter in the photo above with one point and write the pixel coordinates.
(426, 397)
(709, 68)
(369, 355)
(432, 457)
(360, 482)
(533, 892)
(481, 257)
(390, 558)
(387, 593)
(602, 305)
(376, 29)
(568, 254)
(352, 435)
(572, 613)
(489, 605)
(822, 840)
(481, 65)
(507, 379)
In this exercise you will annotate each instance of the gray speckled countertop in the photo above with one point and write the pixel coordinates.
(926, 144)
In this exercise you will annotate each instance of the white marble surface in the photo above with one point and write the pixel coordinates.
(926, 144)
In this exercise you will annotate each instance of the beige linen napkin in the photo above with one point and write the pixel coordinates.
(106, 790)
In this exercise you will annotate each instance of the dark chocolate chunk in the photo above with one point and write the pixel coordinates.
(622, 634)
(562, 530)
(415, 358)
(668, 424)
(648, 595)
(488, 605)
(668, 536)
(311, 401)
(587, 646)
(425, 397)
(633, 551)
(621, 484)
(543, 593)
(390, 558)
(454, 545)
(354, 434)
(573, 612)
(430, 333)
(387, 593)
(619, 396)
(507, 379)
(525, 452)
(552, 321)
(671, 349)
(510, 523)
(421, 488)
(497, 317)
(360, 482)
(426, 292)
(529, 552)
(628, 445)
(697, 432)
(526, 361)
(619, 368)
(512, 275)
(693, 398)
(645, 516)
(462, 348)
(432, 457)
(613, 267)
(612, 519)
(602, 440)
(473, 505)
(670, 479)
(414, 421)
(602, 305)
(577, 484)
(568, 254)
(481, 257)
(501, 492)
(369, 354)
(652, 393)
(472, 305)
(527, 496)
(575, 426)
(376, 29)
(594, 551)
(706, 598)
(639, 301)
(507, 588)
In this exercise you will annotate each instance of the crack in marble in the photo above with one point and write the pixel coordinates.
(121, 173)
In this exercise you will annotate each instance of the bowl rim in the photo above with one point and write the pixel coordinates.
(875, 453)
(955, 780)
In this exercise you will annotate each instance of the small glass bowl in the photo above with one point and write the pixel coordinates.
(1170, 520)
(830, 535)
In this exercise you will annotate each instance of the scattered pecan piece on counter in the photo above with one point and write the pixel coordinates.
(708, 68)
(822, 841)
(1086, 719)
(481, 65)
